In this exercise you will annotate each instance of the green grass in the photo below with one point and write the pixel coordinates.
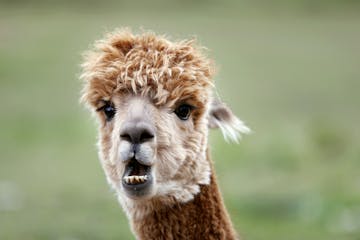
(293, 76)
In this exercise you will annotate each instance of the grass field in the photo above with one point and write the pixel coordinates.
(293, 75)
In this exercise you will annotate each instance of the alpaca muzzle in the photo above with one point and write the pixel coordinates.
(137, 136)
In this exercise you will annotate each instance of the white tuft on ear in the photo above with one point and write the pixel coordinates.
(220, 116)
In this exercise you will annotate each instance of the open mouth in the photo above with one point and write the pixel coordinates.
(137, 178)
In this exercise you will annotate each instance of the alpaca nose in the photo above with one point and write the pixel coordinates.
(137, 132)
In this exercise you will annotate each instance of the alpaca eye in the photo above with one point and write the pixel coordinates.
(183, 111)
(109, 110)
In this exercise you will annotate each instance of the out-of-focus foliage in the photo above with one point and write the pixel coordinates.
(290, 69)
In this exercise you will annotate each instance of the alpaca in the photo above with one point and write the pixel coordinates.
(154, 103)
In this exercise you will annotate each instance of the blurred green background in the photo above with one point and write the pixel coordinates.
(290, 69)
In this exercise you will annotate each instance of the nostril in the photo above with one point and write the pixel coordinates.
(146, 136)
(126, 137)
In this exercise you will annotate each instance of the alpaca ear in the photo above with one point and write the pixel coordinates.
(222, 117)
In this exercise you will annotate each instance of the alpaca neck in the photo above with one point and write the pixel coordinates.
(204, 217)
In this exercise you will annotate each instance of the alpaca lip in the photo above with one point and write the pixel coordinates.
(137, 178)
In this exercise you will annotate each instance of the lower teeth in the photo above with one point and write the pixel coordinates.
(135, 179)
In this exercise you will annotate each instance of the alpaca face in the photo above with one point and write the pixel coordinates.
(146, 148)
(153, 100)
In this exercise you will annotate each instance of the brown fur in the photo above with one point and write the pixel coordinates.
(147, 77)
(147, 65)
(205, 218)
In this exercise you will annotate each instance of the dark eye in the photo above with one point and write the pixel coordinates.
(109, 110)
(183, 111)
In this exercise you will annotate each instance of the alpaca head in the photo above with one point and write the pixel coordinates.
(153, 99)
